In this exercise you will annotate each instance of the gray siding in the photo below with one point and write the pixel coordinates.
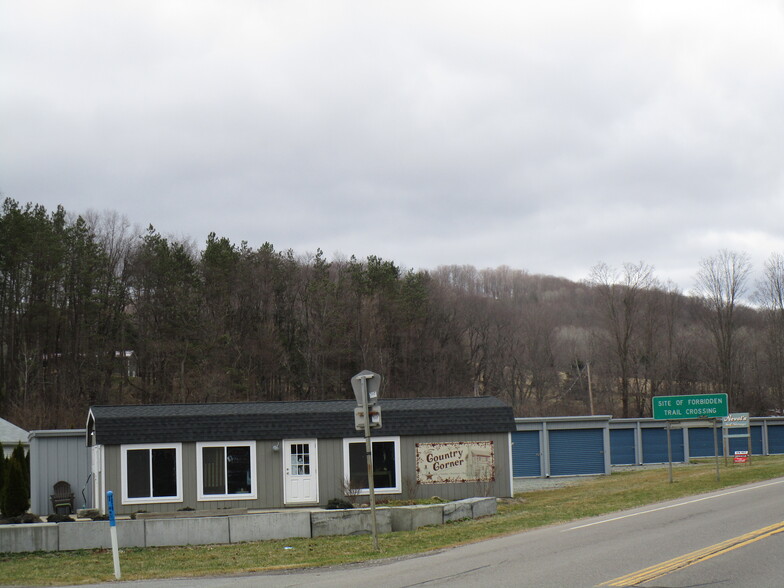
(269, 464)
(331, 474)
(58, 455)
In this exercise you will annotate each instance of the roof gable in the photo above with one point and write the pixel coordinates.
(166, 423)
(10, 434)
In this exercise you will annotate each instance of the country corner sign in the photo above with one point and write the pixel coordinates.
(696, 406)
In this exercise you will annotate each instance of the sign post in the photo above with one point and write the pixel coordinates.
(694, 406)
(366, 385)
(113, 532)
(731, 423)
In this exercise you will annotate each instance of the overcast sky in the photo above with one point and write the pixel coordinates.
(546, 136)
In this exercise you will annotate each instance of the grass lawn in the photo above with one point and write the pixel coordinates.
(591, 496)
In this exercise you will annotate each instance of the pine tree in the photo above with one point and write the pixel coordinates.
(15, 495)
(2, 470)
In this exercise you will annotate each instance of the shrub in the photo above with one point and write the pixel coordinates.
(15, 493)
(2, 468)
(337, 503)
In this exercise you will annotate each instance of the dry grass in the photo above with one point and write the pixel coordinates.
(593, 496)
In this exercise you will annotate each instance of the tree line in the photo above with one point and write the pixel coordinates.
(93, 311)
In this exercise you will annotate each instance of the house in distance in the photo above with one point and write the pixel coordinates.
(256, 455)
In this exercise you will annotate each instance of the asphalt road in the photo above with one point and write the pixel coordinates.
(716, 531)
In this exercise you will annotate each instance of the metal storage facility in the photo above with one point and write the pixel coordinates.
(561, 446)
(573, 446)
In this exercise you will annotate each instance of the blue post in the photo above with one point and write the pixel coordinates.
(110, 501)
(113, 531)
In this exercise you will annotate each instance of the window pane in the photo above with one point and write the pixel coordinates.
(164, 472)
(238, 469)
(384, 464)
(300, 459)
(213, 470)
(357, 465)
(138, 474)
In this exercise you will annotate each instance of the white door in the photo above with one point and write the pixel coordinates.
(300, 471)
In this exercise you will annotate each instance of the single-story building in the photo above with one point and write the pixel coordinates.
(11, 436)
(159, 458)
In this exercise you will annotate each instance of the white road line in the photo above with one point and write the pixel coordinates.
(745, 489)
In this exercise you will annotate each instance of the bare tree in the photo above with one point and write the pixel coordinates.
(622, 297)
(720, 284)
(770, 296)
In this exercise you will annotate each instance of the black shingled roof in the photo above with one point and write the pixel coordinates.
(167, 423)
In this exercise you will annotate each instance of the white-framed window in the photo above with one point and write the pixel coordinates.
(386, 465)
(226, 470)
(151, 472)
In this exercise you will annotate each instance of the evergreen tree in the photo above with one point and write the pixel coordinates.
(15, 495)
(2, 468)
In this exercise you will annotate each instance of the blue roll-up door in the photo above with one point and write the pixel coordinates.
(775, 439)
(576, 452)
(701, 443)
(654, 445)
(622, 447)
(742, 443)
(526, 454)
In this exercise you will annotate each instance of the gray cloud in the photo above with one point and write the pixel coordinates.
(544, 137)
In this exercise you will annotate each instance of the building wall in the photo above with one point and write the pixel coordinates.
(54, 456)
(270, 467)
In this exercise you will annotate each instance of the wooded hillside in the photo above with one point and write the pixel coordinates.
(93, 313)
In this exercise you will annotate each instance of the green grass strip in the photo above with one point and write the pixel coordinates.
(590, 497)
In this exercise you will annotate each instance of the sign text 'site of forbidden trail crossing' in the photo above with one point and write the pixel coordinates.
(696, 406)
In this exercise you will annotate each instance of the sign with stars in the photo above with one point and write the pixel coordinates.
(455, 461)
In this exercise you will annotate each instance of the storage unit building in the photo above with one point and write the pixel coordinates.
(561, 446)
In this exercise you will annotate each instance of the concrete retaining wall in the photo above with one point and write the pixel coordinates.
(354, 521)
(149, 532)
(408, 518)
(29, 537)
(95, 534)
(269, 525)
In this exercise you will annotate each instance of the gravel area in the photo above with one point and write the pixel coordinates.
(532, 484)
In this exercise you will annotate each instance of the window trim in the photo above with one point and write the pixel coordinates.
(201, 496)
(397, 489)
(124, 449)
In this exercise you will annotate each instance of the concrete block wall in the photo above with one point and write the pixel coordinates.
(355, 521)
(194, 531)
(408, 518)
(269, 525)
(95, 534)
(29, 537)
(261, 526)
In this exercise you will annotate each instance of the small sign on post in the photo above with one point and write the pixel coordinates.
(741, 457)
(366, 385)
(690, 406)
(737, 425)
(374, 416)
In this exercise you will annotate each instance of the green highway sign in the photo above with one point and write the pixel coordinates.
(695, 406)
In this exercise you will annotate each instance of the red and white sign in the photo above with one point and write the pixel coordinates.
(741, 456)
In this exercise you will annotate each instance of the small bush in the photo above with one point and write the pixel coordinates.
(338, 503)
